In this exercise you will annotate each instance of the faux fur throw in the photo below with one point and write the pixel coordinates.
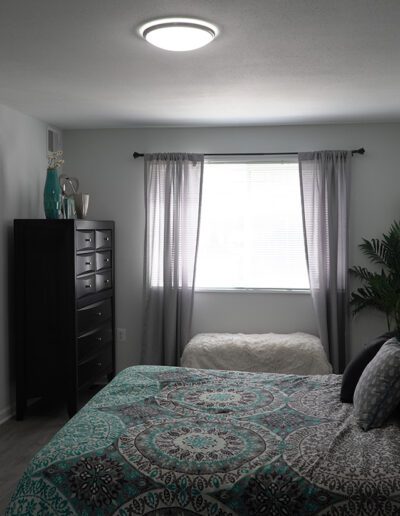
(294, 353)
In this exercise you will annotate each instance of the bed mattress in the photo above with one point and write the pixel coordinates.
(176, 441)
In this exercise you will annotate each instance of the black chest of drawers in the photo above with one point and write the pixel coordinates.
(64, 308)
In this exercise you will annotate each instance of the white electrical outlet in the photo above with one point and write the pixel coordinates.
(121, 334)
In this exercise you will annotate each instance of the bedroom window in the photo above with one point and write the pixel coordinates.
(251, 232)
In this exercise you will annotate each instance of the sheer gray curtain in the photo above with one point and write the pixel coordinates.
(173, 187)
(325, 188)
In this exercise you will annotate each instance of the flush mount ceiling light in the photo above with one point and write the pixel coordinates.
(178, 34)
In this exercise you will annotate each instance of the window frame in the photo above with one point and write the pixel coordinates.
(252, 290)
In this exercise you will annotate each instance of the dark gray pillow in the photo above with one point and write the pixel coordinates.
(355, 368)
(378, 391)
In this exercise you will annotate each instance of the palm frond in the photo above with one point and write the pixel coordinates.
(361, 273)
(391, 244)
(374, 250)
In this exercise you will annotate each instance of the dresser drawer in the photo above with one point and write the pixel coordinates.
(94, 341)
(85, 263)
(100, 365)
(84, 240)
(103, 239)
(103, 260)
(103, 281)
(92, 316)
(85, 286)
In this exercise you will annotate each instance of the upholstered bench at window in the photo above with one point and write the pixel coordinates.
(294, 353)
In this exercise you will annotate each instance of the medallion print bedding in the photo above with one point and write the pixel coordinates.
(176, 441)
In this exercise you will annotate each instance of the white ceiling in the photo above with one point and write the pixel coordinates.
(80, 63)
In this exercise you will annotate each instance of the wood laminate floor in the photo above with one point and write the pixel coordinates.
(20, 440)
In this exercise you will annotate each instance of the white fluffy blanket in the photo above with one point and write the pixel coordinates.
(295, 353)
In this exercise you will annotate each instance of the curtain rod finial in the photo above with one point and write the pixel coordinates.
(137, 155)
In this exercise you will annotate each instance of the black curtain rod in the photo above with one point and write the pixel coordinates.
(361, 150)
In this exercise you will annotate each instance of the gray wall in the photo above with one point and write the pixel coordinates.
(102, 159)
(22, 171)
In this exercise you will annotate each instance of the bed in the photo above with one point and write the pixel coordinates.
(177, 441)
(291, 353)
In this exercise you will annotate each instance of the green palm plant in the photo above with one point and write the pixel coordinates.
(380, 289)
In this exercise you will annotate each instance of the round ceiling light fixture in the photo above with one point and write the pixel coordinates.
(178, 34)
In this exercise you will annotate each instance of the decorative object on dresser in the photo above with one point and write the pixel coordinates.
(64, 297)
(52, 196)
(72, 196)
(69, 187)
(81, 204)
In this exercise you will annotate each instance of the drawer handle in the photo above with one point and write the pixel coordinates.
(89, 285)
(107, 281)
(99, 339)
(88, 263)
(99, 314)
(99, 364)
(106, 239)
(88, 239)
(107, 260)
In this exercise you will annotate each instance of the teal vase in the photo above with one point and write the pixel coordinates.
(52, 195)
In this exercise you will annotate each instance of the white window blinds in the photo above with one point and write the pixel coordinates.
(251, 232)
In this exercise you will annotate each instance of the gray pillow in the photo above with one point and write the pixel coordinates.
(378, 390)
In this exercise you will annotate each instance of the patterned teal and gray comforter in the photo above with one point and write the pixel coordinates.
(175, 441)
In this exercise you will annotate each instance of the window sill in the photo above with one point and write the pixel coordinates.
(205, 290)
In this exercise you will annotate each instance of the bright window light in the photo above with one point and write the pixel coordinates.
(251, 233)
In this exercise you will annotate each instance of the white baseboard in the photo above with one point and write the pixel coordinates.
(6, 414)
